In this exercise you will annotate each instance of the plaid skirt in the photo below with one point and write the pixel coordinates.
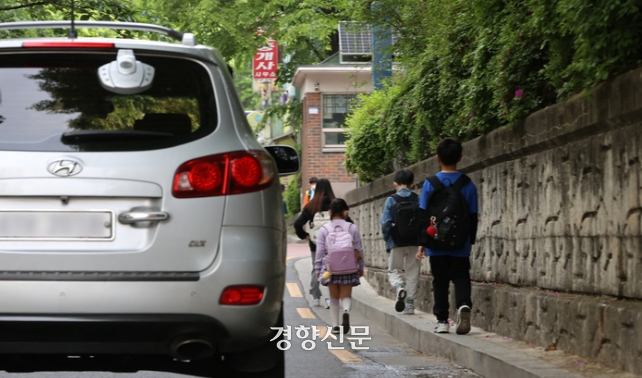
(341, 279)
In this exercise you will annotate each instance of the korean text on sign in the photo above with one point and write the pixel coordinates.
(266, 61)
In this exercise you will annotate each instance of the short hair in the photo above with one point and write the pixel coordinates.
(404, 177)
(313, 180)
(449, 151)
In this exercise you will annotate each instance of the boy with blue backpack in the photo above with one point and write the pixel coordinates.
(450, 202)
(400, 225)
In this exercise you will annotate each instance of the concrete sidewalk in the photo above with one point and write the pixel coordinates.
(487, 354)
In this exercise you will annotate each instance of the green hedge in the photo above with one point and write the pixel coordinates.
(292, 195)
(471, 66)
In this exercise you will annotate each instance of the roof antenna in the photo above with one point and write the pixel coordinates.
(72, 32)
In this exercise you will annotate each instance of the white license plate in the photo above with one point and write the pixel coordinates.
(56, 225)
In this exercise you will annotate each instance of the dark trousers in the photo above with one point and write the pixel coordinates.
(445, 269)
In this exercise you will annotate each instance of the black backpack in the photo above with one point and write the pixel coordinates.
(406, 220)
(447, 211)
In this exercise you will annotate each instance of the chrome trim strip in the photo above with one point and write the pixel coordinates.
(97, 276)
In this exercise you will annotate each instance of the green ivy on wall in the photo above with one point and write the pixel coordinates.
(472, 66)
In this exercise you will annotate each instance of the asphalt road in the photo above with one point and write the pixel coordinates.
(385, 356)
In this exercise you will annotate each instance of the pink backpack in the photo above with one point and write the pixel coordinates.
(340, 258)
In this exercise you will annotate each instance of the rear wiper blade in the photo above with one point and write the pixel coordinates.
(93, 136)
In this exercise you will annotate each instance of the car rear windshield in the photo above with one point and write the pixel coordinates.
(53, 101)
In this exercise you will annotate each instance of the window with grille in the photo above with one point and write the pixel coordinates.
(336, 107)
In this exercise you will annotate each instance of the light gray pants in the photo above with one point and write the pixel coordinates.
(403, 258)
(315, 290)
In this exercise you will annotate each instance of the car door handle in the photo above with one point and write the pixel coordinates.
(142, 216)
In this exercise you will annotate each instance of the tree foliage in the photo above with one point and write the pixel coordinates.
(305, 30)
(95, 10)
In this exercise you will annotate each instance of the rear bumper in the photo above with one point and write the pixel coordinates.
(145, 317)
(103, 334)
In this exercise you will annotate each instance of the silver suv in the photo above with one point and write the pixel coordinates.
(141, 224)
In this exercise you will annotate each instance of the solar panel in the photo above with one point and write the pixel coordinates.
(355, 38)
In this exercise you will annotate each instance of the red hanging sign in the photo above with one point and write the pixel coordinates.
(266, 61)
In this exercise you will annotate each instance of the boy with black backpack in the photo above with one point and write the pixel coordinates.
(400, 225)
(450, 202)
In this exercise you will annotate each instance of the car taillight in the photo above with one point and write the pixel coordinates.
(241, 295)
(67, 44)
(246, 171)
(205, 177)
(218, 175)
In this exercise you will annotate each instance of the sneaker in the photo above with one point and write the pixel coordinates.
(442, 327)
(327, 303)
(401, 295)
(336, 330)
(316, 302)
(463, 320)
(410, 309)
(346, 322)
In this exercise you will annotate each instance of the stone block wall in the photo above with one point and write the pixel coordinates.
(558, 250)
(567, 218)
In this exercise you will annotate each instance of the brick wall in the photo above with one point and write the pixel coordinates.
(315, 162)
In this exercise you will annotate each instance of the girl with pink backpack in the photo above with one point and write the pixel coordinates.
(339, 262)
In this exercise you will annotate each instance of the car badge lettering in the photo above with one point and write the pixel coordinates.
(64, 168)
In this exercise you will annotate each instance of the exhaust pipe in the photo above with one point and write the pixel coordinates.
(191, 348)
